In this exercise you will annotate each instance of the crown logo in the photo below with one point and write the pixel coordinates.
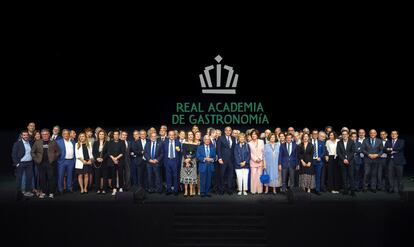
(220, 88)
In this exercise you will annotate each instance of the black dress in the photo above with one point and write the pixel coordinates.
(306, 174)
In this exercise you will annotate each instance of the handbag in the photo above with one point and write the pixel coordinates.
(264, 178)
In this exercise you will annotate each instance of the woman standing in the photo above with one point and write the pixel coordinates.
(188, 173)
(100, 152)
(271, 163)
(333, 169)
(83, 153)
(242, 164)
(197, 141)
(256, 162)
(306, 169)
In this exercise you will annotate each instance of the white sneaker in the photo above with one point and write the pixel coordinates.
(51, 196)
(114, 192)
(121, 190)
(42, 195)
(240, 193)
(28, 194)
(244, 193)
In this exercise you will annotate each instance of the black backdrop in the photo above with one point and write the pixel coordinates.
(87, 74)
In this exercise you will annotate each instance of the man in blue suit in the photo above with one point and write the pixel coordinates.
(395, 149)
(372, 149)
(318, 154)
(66, 161)
(358, 162)
(225, 152)
(206, 155)
(288, 161)
(22, 161)
(153, 154)
(171, 159)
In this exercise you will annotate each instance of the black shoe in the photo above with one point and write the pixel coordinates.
(318, 193)
(364, 190)
(230, 193)
(175, 193)
(208, 195)
(69, 191)
(203, 195)
(374, 191)
(353, 193)
(345, 192)
(168, 193)
(391, 191)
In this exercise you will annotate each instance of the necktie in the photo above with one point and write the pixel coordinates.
(289, 149)
(315, 152)
(171, 150)
(393, 143)
(153, 150)
(372, 142)
(228, 140)
(207, 152)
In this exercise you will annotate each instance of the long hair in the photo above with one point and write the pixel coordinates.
(79, 144)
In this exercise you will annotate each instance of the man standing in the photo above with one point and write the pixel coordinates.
(383, 165)
(319, 151)
(345, 150)
(171, 160)
(206, 154)
(153, 154)
(372, 149)
(55, 133)
(45, 152)
(225, 152)
(395, 149)
(358, 161)
(288, 162)
(127, 160)
(66, 161)
(22, 160)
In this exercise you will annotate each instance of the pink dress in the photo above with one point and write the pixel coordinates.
(256, 168)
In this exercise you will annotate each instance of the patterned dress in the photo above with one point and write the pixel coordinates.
(188, 175)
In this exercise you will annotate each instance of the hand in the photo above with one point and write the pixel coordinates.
(156, 161)
(132, 153)
(17, 165)
(243, 163)
(297, 167)
(220, 161)
(99, 159)
(318, 159)
(280, 167)
(309, 164)
(346, 162)
(326, 158)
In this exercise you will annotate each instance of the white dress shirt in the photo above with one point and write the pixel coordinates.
(69, 149)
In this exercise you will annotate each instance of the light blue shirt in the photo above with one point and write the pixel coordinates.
(28, 149)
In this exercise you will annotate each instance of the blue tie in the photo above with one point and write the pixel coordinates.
(153, 150)
(372, 142)
(207, 152)
(171, 150)
(289, 149)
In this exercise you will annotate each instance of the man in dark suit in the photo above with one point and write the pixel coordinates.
(382, 176)
(225, 153)
(395, 150)
(138, 164)
(288, 161)
(171, 159)
(153, 154)
(317, 161)
(127, 160)
(22, 161)
(345, 150)
(372, 149)
(358, 162)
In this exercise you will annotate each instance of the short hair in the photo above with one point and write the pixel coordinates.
(88, 130)
(289, 134)
(345, 131)
(383, 131)
(24, 131)
(396, 131)
(241, 134)
(116, 131)
(45, 130)
(354, 133)
(254, 131)
(124, 131)
(65, 130)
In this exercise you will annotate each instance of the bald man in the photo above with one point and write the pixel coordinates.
(372, 149)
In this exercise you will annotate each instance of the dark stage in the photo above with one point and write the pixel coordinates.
(368, 219)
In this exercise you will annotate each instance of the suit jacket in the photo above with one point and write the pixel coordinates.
(137, 149)
(240, 155)
(287, 160)
(127, 154)
(159, 151)
(201, 154)
(166, 146)
(345, 153)
(398, 149)
(79, 155)
(224, 151)
(321, 149)
(53, 151)
(18, 152)
(62, 148)
(357, 153)
(368, 149)
(103, 154)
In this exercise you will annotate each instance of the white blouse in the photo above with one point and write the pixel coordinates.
(331, 147)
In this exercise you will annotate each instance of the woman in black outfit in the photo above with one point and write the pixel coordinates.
(100, 152)
(116, 150)
(306, 169)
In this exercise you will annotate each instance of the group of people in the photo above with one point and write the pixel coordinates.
(196, 164)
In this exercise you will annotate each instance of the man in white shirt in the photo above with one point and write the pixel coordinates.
(66, 161)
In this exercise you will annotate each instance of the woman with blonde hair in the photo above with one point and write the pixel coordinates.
(83, 165)
(256, 162)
